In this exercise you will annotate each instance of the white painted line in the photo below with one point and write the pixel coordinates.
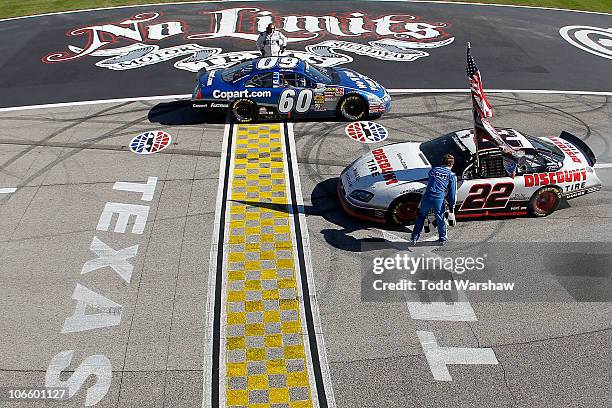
(212, 277)
(495, 5)
(221, 1)
(603, 165)
(95, 102)
(391, 91)
(527, 91)
(8, 190)
(298, 275)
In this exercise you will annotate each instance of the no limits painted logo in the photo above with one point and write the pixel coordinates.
(150, 142)
(366, 132)
(595, 40)
(395, 37)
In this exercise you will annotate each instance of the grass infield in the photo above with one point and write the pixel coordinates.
(16, 8)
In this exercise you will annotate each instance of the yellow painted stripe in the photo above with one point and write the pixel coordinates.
(266, 359)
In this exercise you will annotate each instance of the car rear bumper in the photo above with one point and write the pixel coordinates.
(368, 214)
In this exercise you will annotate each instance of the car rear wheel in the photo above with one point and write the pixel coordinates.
(352, 107)
(544, 201)
(244, 111)
(403, 210)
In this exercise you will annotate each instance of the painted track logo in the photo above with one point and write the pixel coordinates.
(150, 142)
(138, 41)
(595, 40)
(366, 132)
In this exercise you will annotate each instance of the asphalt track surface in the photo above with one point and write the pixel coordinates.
(552, 349)
(551, 338)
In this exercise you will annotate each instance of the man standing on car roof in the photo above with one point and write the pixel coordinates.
(442, 184)
(271, 43)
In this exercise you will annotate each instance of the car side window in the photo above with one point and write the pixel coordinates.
(293, 79)
(260, 81)
(492, 166)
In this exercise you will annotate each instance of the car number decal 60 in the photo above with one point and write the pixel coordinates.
(288, 100)
(283, 62)
(485, 196)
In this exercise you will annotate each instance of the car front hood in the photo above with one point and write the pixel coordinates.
(387, 167)
(355, 80)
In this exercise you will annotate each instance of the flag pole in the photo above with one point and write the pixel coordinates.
(476, 123)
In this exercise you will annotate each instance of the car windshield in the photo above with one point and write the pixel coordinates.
(546, 148)
(320, 74)
(237, 71)
(436, 148)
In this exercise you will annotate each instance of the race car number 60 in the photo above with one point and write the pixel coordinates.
(288, 100)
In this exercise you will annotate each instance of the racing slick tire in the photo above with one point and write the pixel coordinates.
(544, 201)
(244, 110)
(352, 107)
(403, 210)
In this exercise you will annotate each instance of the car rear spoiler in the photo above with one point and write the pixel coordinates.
(586, 150)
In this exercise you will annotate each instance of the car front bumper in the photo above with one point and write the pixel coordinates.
(368, 214)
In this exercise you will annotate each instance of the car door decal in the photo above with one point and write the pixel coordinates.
(289, 102)
(486, 196)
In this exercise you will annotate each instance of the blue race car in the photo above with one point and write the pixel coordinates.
(272, 87)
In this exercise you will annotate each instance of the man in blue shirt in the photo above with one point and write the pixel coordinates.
(442, 184)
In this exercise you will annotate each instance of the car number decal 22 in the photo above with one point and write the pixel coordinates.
(288, 100)
(487, 196)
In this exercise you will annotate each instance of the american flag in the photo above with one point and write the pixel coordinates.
(479, 98)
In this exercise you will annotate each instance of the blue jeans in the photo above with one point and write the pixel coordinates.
(428, 203)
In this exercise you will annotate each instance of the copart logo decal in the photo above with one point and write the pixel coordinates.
(597, 41)
(366, 132)
(138, 41)
(150, 142)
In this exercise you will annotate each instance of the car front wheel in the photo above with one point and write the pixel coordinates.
(352, 107)
(244, 111)
(403, 211)
(544, 201)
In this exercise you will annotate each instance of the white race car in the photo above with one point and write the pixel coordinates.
(386, 184)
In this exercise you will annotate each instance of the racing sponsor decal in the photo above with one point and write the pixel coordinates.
(366, 132)
(562, 176)
(150, 142)
(265, 111)
(135, 42)
(218, 94)
(567, 148)
(334, 91)
(595, 40)
(385, 167)
(362, 81)
(578, 190)
(212, 105)
(219, 105)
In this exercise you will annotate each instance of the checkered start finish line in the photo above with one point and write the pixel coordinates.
(264, 357)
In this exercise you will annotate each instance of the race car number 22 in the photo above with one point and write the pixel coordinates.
(290, 99)
(485, 196)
